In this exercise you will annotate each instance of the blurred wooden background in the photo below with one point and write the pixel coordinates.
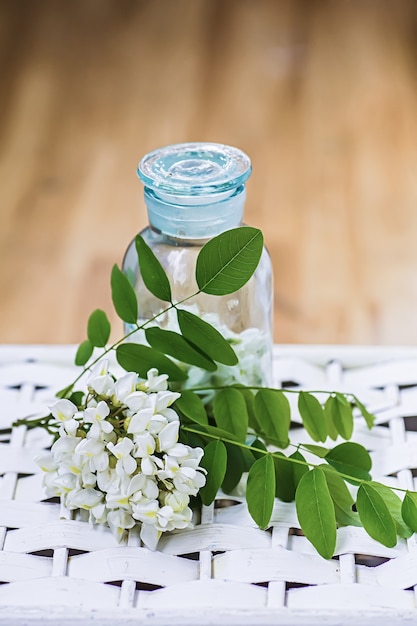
(321, 94)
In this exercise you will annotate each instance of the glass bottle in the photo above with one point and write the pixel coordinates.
(194, 191)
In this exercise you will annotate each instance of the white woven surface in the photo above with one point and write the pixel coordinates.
(225, 570)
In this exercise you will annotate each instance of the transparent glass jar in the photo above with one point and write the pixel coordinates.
(193, 192)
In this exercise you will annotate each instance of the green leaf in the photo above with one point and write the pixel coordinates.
(316, 513)
(191, 405)
(260, 490)
(84, 352)
(257, 444)
(346, 518)
(394, 504)
(331, 428)
(298, 469)
(342, 398)
(313, 417)
(351, 459)
(288, 474)
(123, 296)
(192, 439)
(274, 415)
(98, 328)
(341, 496)
(368, 417)
(338, 488)
(234, 469)
(249, 397)
(249, 458)
(213, 432)
(206, 337)
(342, 415)
(134, 357)
(284, 478)
(130, 273)
(174, 344)
(319, 451)
(152, 272)
(230, 413)
(375, 516)
(226, 262)
(409, 510)
(65, 392)
(215, 462)
(77, 398)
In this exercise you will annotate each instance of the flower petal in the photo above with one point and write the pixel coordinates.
(168, 436)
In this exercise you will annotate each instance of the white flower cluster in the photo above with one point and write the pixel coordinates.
(120, 459)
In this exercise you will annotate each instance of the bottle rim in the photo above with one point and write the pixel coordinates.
(194, 169)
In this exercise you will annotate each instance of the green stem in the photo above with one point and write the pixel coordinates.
(41, 422)
(258, 387)
(259, 450)
(245, 446)
(97, 359)
(173, 305)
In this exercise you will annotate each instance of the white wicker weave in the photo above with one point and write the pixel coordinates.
(56, 570)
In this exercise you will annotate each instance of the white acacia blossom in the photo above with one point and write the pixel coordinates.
(118, 456)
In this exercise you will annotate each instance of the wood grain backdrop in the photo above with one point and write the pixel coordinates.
(321, 94)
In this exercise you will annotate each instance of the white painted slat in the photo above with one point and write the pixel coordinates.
(135, 563)
(205, 593)
(299, 371)
(274, 564)
(18, 373)
(225, 570)
(351, 540)
(37, 439)
(395, 371)
(17, 460)
(346, 597)
(404, 407)
(29, 488)
(59, 355)
(59, 591)
(395, 458)
(65, 533)
(15, 567)
(348, 570)
(214, 538)
(398, 573)
(352, 357)
(60, 562)
(14, 514)
(283, 514)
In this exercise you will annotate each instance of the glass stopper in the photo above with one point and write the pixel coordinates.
(194, 169)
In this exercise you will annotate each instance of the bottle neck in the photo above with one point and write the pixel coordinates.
(195, 217)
